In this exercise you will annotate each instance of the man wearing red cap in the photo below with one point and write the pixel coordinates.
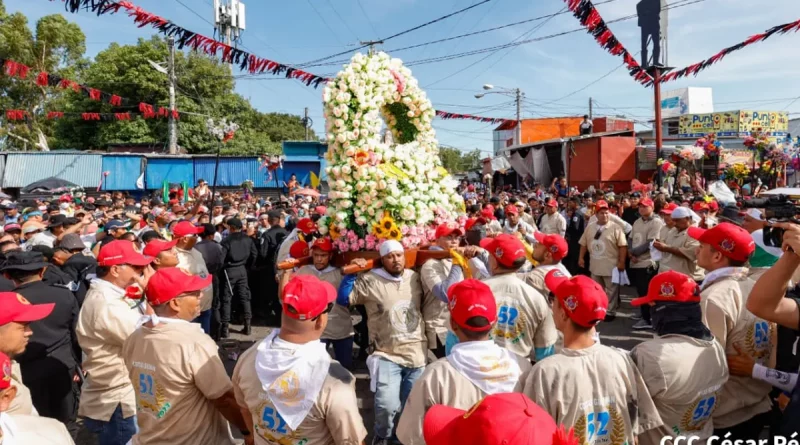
(608, 249)
(514, 225)
(162, 252)
(744, 404)
(433, 272)
(339, 331)
(524, 323)
(287, 386)
(642, 268)
(669, 364)
(107, 318)
(552, 222)
(678, 249)
(476, 366)
(18, 428)
(589, 386)
(183, 393)
(666, 216)
(16, 315)
(548, 252)
(191, 259)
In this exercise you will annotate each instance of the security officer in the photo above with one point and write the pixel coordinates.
(269, 243)
(50, 361)
(240, 255)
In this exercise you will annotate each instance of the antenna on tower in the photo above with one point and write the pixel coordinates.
(229, 19)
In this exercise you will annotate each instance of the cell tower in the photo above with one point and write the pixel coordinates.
(229, 19)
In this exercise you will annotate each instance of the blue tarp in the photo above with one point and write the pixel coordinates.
(232, 172)
(302, 170)
(175, 170)
(123, 172)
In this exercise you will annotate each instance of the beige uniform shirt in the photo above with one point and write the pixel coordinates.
(334, 418)
(593, 390)
(662, 234)
(192, 260)
(440, 384)
(535, 278)
(340, 325)
(684, 376)
(688, 246)
(435, 311)
(22, 403)
(394, 316)
(176, 373)
(524, 319)
(528, 218)
(641, 233)
(555, 224)
(35, 430)
(106, 320)
(604, 251)
(725, 314)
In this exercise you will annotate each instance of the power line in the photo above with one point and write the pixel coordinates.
(305, 65)
(343, 20)
(324, 21)
(369, 20)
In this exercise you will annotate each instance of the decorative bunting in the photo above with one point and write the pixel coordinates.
(700, 66)
(16, 115)
(92, 116)
(590, 18)
(94, 94)
(17, 69)
(55, 114)
(494, 120)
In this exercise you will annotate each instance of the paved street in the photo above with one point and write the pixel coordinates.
(617, 333)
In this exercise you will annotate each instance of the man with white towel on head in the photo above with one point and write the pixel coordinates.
(392, 296)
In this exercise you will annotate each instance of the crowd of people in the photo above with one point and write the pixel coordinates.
(112, 309)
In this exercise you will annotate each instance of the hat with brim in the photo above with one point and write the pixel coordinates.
(25, 261)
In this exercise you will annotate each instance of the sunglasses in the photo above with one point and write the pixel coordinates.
(327, 310)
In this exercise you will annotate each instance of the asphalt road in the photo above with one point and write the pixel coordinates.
(616, 333)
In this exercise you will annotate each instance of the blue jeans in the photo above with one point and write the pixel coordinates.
(394, 386)
(205, 321)
(342, 351)
(117, 431)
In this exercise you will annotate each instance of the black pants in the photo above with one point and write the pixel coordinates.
(748, 430)
(234, 288)
(362, 333)
(56, 396)
(640, 279)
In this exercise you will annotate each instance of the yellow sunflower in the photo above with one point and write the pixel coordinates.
(387, 223)
(378, 231)
(394, 234)
(334, 232)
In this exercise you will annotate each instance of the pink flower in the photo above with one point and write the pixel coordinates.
(361, 243)
(438, 220)
(354, 246)
(370, 245)
(405, 243)
(404, 230)
(344, 247)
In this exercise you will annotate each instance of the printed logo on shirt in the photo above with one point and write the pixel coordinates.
(287, 388)
(604, 425)
(151, 396)
(598, 249)
(759, 340)
(495, 370)
(404, 317)
(511, 322)
(271, 427)
(696, 417)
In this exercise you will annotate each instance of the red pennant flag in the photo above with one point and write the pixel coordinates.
(42, 79)
(94, 94)
(122, 116)
(115, 101)
(55, 114)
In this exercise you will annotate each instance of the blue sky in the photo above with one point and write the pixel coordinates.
(298, 31)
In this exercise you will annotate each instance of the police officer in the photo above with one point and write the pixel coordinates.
(240, 255)
(270, 241)
(50, 361)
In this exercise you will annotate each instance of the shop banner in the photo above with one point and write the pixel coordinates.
(774, 124)
(700, 125)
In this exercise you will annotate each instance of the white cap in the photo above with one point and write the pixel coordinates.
(755, 214)
(681, 212)
(390, 246)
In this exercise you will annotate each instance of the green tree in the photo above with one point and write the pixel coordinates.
(55, 46)
(451, 158)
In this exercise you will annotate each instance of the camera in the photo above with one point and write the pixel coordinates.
(778, 208)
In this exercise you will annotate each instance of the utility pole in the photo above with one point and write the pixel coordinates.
(519, 116)
(173, 125)
(590, 108)
(372, 44)
(305, 121)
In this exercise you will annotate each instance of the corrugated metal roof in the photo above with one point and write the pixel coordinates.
(232, 171)
(514, 148)
(25, 168)
(123, 171)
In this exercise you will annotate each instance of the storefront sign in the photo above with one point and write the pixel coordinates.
(700, 125)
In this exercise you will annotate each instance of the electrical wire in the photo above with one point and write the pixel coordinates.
(335, 11)
(369, 20)
(324, 21)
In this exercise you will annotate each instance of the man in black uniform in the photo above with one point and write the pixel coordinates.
(49, 364)
(240, 255)
(271, 241)
(214, 256)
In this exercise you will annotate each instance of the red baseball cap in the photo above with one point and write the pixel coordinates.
(582, 298)
(699, 206)
(472, 298)
(600, 205)
(156, 246)
(307, 296)
(555, 244)
(670, 286)
(306, 226)
(472, 221)
(713, 205)
(732, 241)
(320, 210)
(171, 282)
(121, 252)
(551, 203)
(323, 244)
(488, 213)
(505, 248)
(511, 208)
(508, 418)
(14, 307)
(667, 209)
(647, 202)
(185, 228)
(445, 229)
(5, 364)
(299, 249)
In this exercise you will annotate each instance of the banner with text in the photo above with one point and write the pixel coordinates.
(700, 125)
